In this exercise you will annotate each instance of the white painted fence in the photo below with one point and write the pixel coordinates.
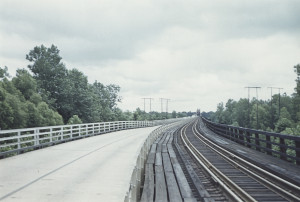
(17, 141)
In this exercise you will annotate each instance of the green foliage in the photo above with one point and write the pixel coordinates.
(74, 120)
(25, 83)
(139, 115)
(48, 117)
(292, 131)
(3, 73)
(21, 106)
(51, 94)
(281, 114)
(297, 71)
(49, 73)
(296, 96)
(174, 114)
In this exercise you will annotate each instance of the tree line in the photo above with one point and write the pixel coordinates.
(279, 114)
(46, 93)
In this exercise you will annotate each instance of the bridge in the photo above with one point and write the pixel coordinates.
(173, 160)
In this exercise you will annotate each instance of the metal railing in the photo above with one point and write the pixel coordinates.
(18, 141)
(134, 192)
(285, 147)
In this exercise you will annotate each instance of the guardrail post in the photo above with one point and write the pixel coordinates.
(297, 145)
(51, 135)
(79, 130)
(36, 136)
(257, 142)
(248, 135)
(62, 133)
(282, 149)
(19, 140)
(231, 133)
(71, 132)
(268, 144)
(93, 129)
(236, 135)
(241, 136)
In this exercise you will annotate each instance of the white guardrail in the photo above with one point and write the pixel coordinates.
(18, 141)
(133, 193)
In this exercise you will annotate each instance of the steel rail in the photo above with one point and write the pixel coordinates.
(288, 194)
(232, 189)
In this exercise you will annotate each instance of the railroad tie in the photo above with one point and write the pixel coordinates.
(164, 177)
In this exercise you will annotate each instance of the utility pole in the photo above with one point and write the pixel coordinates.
(272, 115)
(256, 105)
(150, 99)
(279, 102)
(167, 108)
(167, 101)
(145, 103)
(161, 104)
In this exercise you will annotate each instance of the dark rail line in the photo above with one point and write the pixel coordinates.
(240, 180)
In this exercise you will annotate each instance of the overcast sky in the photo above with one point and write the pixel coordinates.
(197, 53)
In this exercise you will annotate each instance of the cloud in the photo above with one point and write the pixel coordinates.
(197, 53)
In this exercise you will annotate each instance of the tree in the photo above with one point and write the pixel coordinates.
(74, 120)
(76, 97)
(50, 74)
(174, 114)
(105, 100)
(3, 73)
(229, 111)
(25, 83)
(21, 106)
(48, 117)
(296, 95)
(297, 71)
(284, 120)
(241, 112)
(219, 116)
(6, 112)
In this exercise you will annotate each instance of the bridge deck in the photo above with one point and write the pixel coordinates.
(92, 169)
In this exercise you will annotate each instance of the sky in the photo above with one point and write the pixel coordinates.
(197, 53)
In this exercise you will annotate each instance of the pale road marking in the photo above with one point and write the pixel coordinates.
(53, 171)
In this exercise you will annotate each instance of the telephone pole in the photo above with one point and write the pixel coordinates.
(150, 99)
(167, 101)
(144, 103)
(161, 104)
(279, 103)
(167, 107)
(256, 105)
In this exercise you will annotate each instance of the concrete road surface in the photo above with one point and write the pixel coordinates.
(92, 169)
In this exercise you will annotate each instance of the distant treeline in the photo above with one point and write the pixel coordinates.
(47, 93)
(280, 114)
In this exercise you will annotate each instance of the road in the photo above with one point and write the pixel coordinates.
(92, 169)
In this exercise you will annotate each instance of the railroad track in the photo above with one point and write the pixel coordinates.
(238, 179)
